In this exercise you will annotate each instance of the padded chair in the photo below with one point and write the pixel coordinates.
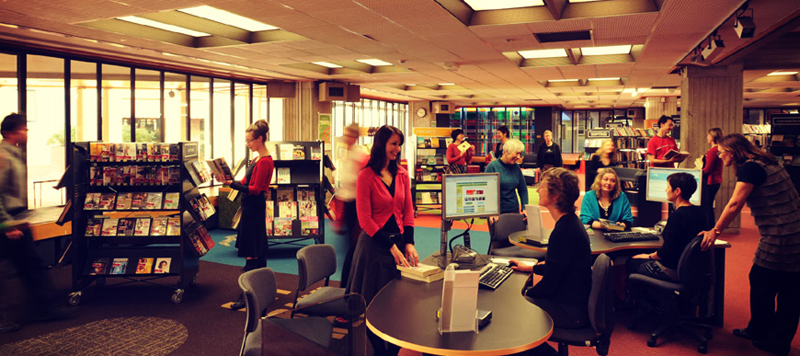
(316, 263)
(529, 161)
(260, 289)
(506, 225)
(696, 275)
(601, 314)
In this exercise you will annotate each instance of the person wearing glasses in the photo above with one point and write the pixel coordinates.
(766, 187)
(251, 238)
(712, 174)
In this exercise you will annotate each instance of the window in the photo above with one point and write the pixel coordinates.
(175, 108)
(566, 132)
(275, 119)
(221, 126)
(241, 121)
(83, 101)
(9, 98)
(149, 120)
(116, 100)
(200, 115)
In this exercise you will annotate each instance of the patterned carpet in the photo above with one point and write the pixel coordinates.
(118, 336)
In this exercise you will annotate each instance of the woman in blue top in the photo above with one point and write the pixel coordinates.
(606, 201)
(511, 180)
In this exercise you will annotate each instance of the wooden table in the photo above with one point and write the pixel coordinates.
(404, 313)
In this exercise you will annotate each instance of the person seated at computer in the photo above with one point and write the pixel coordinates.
(682, 226)
(457, 159)
(512, 183)
(604, 156)
(563, 291)
(606, 201)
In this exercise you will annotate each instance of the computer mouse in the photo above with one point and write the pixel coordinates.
(512, 264)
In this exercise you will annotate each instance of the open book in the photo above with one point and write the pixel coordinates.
(220, 168)
(464, 146)
(680, 155)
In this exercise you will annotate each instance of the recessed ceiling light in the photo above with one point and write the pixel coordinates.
(374, 62)
(628, 90)
(326, 64)
(543, 53)
(781, 73)
(160, 25)
(228, 18)
(445, 84)
(561, 80)
(480, 5)
(411, 85)
(599, 79)
(598, 51)
(577, 1)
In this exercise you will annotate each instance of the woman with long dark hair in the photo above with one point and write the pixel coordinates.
(251, 240)
(386, 216)
(775, 276)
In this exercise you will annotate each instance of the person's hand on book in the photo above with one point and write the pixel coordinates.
(411, 255)
(399, 259)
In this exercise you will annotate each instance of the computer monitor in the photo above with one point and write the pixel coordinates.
(470, 195)
(657, 183)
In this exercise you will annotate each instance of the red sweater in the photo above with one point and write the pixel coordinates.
(261, 176)
(375, 205)
(713, 167)
(454, 155)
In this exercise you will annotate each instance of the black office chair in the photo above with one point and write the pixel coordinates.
(696, 275)
(529, 161)
(601, 314)
(506, 225)
(260, 289)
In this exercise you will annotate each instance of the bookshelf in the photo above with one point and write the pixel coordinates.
(757, 134)
(296, 204)
(631, 144)
(785, 143)
(430, 163)
(480, 124)
(137, 215)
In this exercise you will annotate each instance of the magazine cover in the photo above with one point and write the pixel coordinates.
(99, 266)
(153, 201)
(142, 227)
(138, 201)
(95, 151)
(159, 226)
(287, 209)
(171, 200)
(107, 201)
(283, 227)
(145, 265)
(109, 175)
(110, 227)
(307, 208)
(162, 264)
(285, 194)
(305, 193)
(94, 226)
(284, 175)
(126, 226)
(119, 265)
(124, 201)
(309, 226)
(174, 227)
(316, 153)
(299, 152)
(92, 201)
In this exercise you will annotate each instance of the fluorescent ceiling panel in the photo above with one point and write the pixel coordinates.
(326, 64)
(374, 62)
(561, 80)
(605, 50)
(598, 79)
(228, 18)
(543, 53)
(781, 73)
(480, 5)
(577, 1)
(444, 84)
(163, 26)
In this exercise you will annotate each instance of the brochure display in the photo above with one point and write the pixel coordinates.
(459, 301)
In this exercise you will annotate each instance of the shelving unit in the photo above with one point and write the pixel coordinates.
(631, 144)
(304, 187)
(785, 143)
(757, 134)
(480, 124)
(91, 247)
(430, 163)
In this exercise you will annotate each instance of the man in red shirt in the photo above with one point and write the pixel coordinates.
(660, 144)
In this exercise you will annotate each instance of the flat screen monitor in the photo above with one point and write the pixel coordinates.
(470, 195)
(657, 183)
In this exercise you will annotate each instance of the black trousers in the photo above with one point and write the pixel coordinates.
(773, 324)
(352, 231)
(709, 193)
(29, 267)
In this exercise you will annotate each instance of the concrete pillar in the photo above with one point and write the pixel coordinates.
(300, 122)
(657, 106)
(711, 97)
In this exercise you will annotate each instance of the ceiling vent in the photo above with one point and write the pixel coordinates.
(563, 36)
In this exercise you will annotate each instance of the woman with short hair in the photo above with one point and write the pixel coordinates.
(457, 159)
(549, 154)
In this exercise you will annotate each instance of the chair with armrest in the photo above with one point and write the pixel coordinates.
(260, 289)
(529, 161)
(507, 224)
(696, 275)
(601, 314)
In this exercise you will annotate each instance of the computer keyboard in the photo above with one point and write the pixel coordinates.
(630, 236)
(492, 276)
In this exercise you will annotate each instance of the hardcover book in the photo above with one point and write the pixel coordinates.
(119, 265)
(145, 265)
(162, 265)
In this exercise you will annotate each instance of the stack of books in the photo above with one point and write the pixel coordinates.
(422, 272)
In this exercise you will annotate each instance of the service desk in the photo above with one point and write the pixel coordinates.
(404, 313)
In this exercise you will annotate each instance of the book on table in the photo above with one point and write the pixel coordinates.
(420, 269)
(610, 225)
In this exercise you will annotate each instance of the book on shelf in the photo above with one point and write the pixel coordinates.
(99, 267)
(159, 226)
(142, 227)
(285, 194)
(299, 152)
(282, 226)
(434, 142)
(171, 200)
(154, 200)
(305, 193)
(162, 265)
(287, 209)
(219, 167)
(110, 227)
(119, 265)
(309, 226)
(206, 206)
(124, 201)
(284, 175)
(307, 208)
(316, 153)
(145, 265)
(126, 227)
(269, 214)
(94, 227)
(286, 151)
(680, 156)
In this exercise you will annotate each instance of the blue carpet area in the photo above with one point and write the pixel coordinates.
(283, 258)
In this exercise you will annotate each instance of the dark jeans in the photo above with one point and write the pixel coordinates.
(352, 231)
(29, 267)
(709, 193)
(771, 325)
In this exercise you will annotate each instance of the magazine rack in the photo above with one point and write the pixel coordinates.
(98, 251)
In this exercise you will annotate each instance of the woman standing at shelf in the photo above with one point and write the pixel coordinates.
(606, 201)
(712, 168)
(386, 216)
(456, 158)
(765, 185)
(605, 156)
(549, 154)
(251, 240)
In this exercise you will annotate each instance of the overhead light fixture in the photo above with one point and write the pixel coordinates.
(561, 80)
(326, 64)
(228, 18)
(543, 53)
(162, 26)
(781, 73)
(743, 24)
(579, 1)
(411, 85)
(481, 5)
(599, 79)
(714, 42)
(374, 62)
(606, 50)
(446, 84)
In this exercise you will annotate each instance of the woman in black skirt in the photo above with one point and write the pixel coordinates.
(251, 240)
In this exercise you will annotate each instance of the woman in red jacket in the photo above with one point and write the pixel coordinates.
(712, 174)
(457, 159)
(251, 240)
(386, 216)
